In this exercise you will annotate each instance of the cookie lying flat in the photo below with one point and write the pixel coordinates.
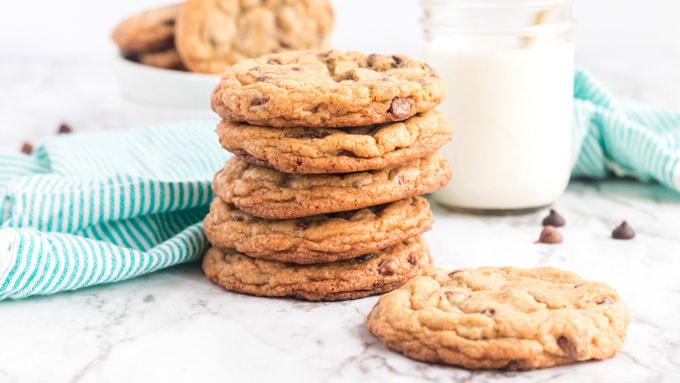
(167, 59)
(320, 238)
(149, 31)
(327, 89)
(501, 318)
(214, 34)
(318, 150)
(267, 193)
(356, 278)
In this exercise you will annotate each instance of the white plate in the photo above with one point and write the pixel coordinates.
(163, 87)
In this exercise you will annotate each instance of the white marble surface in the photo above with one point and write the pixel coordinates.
(176, 326)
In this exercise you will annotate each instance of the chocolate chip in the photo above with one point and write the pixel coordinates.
(64, 129)
(346, 153)
(27, 148)
(412, 260)
(623, 231)
(296, 69)
(550, 235)
(261, 78)
(370, 59)
(385, 267)
(299, 225)
(247, 157)
(397, 61)
(260, 100)
(238, 216)
(274, 61)
(489, 311)
(606, 300)
(169, 23)
(568, 347)
(364, 257)
(553, 219)
(400, 108)
(454, 272)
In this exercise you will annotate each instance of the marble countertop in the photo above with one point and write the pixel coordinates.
(176, 326)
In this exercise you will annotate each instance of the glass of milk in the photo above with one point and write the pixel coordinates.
(509, 70)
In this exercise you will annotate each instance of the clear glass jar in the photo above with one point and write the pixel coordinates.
(509, 70)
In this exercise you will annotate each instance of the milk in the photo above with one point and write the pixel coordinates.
(511, 111)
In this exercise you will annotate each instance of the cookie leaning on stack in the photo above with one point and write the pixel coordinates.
(320, 201)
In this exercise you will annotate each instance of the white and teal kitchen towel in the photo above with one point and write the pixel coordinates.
(87, 209)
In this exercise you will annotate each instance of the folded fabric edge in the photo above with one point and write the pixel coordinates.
(8, 252)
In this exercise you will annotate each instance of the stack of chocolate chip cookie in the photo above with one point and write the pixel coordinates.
(331, 152)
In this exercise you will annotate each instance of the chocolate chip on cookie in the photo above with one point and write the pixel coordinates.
(501, 318)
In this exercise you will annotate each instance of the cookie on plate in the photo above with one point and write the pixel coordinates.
(360, 277)
(336, 150)
(320, 238)
(326, 89)
(214, 34)
(501, 318)
(270, 194)
(167, 59)
(148, 31)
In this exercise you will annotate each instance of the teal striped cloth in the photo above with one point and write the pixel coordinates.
(623, 139)
(87, 209)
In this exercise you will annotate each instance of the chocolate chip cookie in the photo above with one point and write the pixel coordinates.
(167, 59)
(320, 238)
(149, 31)
(319, 150)
(214, 34)
(501, 318)
(360, 277)
(270, 194)
(327, 89)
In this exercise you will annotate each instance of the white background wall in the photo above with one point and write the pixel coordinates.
(621, 41)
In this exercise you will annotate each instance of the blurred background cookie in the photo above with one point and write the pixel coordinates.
(149, 37)
(214, 34)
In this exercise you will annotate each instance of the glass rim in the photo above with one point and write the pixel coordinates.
(565, 27)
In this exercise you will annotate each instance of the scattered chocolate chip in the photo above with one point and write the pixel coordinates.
(64, 129)
(299, 225)
(550, 235)
(27, 148)
(606, 300)
(553, 219)
(260, 100)
(489, 311)
(400, 108)
(623, 231)
(568, 347)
